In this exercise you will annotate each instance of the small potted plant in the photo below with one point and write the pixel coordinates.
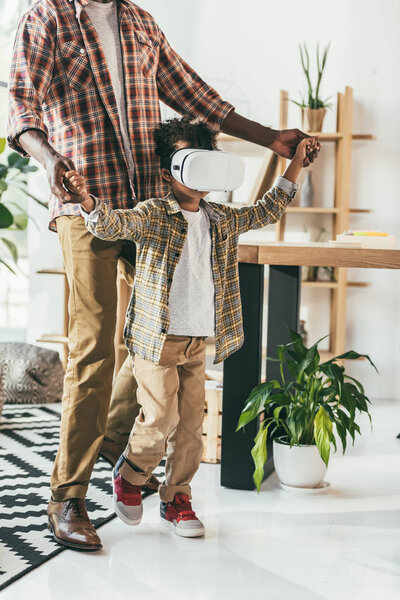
(314, 107)
(303, 413)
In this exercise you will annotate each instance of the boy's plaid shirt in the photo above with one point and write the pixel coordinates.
(159, 229)
(60, 84)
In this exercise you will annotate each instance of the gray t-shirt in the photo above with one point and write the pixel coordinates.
(191, 300)
(104, 18)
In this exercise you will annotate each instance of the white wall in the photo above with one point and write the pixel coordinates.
(249, 51)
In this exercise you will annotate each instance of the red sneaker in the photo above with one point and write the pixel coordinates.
(180, 517)
(127, 500)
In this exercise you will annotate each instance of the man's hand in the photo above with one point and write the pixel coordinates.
(56, 167)
(35, 143)
(77, 186)
(286, 142)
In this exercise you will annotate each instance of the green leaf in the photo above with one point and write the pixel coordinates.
(255, 403)
(21, 221)
(5, 263)
(352, 355)
(2, 145)
(11, 247)
(323, 434)
(6, 218)
(259, 454)
(3, 186)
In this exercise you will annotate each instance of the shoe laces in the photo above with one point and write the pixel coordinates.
(77, 505)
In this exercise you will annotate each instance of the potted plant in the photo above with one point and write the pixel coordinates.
(314, 107)
(13, 217)
(304, 412)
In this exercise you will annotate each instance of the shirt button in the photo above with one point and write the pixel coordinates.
(82, 51)
(169, 279)
(177, 254)
(163, 331)
(183, 230)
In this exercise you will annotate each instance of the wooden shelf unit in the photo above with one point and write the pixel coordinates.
(339, 212)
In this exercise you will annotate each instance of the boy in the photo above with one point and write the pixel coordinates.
(186, 289)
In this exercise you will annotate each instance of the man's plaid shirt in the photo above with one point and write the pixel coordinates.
(159, 229)
(60, 84)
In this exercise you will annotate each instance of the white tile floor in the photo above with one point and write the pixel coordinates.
(340, 546)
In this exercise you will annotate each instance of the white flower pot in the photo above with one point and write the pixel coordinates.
(298, 466)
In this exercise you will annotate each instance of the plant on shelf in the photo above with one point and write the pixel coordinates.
(13, 217)
(302, 409)
(312, 104)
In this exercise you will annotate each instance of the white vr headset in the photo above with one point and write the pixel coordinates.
(207, 170)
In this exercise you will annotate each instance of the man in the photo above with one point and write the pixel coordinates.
(85, 85)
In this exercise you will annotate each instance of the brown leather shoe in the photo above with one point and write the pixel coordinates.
(70, 525)
(111, 451)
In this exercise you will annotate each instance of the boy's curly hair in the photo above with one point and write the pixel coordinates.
(193, 131)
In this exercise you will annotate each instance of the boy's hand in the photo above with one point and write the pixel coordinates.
(305, 148)
(75, 184)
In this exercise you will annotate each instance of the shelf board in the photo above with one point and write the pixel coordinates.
(329, 285)
(321, 210)
(332, 285)
(359, 284)
(361, 210)
(51, 272)
(52, 338)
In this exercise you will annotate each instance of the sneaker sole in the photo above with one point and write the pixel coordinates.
(119, 514)
(192, 533)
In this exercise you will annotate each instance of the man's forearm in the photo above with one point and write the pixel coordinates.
(35, 143)
(248, 130)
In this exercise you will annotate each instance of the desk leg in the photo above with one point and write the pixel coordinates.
(242, 371)
(283, 312)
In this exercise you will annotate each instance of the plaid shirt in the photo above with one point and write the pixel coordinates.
(159, 229)
(60, 84)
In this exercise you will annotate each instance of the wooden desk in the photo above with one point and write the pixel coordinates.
(242, 371)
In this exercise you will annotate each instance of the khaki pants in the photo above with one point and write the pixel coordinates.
(91, 267)
(171, 395)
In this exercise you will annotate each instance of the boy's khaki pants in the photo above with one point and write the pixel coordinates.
(171, 395)
(91, 268)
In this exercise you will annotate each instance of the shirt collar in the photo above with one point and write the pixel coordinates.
(172, 207)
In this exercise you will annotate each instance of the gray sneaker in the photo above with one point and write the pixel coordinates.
(179, 517)
(127, 499)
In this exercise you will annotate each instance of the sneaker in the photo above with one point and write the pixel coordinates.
(127, 499)
(180, 517)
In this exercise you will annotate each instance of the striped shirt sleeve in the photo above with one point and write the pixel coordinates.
(121, 224)
(268, 210)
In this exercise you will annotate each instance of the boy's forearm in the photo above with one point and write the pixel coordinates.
(293, 170)
(88, 204)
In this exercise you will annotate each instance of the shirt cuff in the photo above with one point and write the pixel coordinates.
(287, 186)
(94, 215)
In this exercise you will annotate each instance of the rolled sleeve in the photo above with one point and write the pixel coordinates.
(93, 216)
(286, 186)
(30, 77)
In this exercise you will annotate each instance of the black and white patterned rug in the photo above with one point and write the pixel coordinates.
(28, 443)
